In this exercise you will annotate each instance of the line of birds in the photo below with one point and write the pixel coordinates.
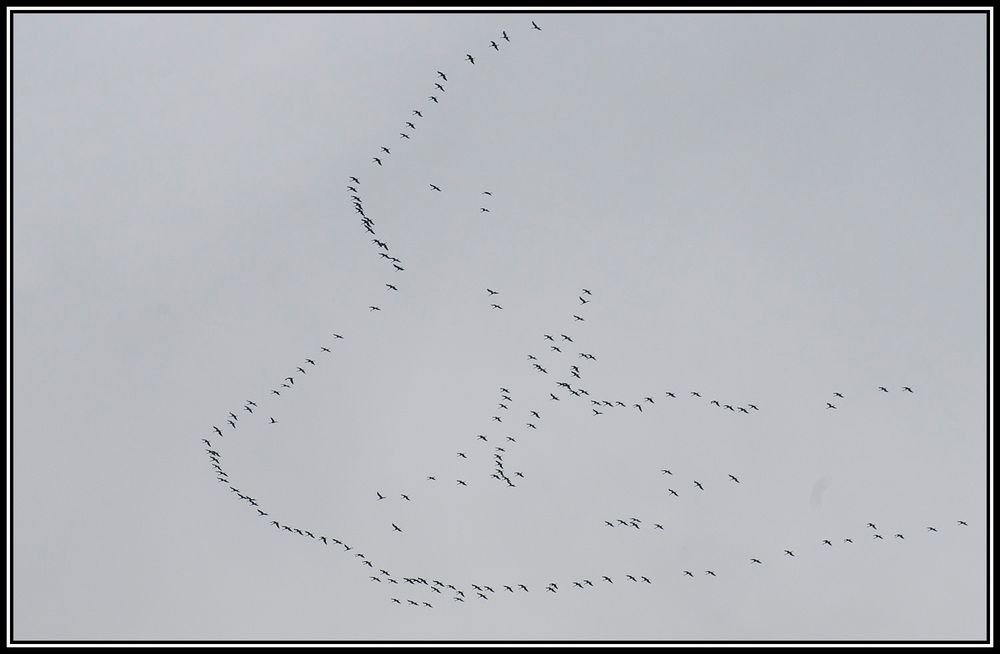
(504, 405)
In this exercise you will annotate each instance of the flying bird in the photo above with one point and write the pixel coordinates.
(395, 527)
(535, 25)
(469, 57)
(377, 160)
(442, 76)
(436, 188)
(493, 44)
(389, 286)
(700, 487)
(505, 37)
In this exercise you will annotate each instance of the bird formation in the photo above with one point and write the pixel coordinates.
(561, 360)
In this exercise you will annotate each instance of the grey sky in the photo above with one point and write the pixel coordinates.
(767, 208)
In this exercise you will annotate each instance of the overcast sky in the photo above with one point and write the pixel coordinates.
(766, 208)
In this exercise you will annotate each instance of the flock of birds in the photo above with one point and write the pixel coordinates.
(561, 360)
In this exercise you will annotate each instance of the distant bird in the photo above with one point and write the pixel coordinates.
(338, 336)
(496, 306)
(395, 527)
(411, 125)
(963, 523)
(838, 395)
(830, 406)
(700, 487)
(436, 188)
(377, 160)
(553, 396)
(734, 479)
(355, 180)
(386, 150)
(205, 441)
(582, 301)
(462, 454)
(273, 421)
(418, 113)
(638, 406)
(632, 578)
(405, 497)
(380, 495)
(669, 394)
(217, 430)
(689, 573)
(432, 479)
(535, 25)
(403, 135)
(469, 57)
(709, 572)
(505, 37)
(755, 561)
(484, 210)
(577, 317)
(883, 389)
(373, 308)
(715, 402)
(486, 193)
(696, 393)
(666, 472)
(827, 542)
(461, 483)
(872, 525)
(848, 540)
(879, 537)
(493, 44)
(535, 413)
(907, 388)
(658, 526)
(433, 98)
(389, 286)
(900, 536)
(439, 86)
(673, 492)
(789, 553)
(442, 76)
(754, 407)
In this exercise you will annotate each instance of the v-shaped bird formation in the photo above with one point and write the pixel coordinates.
(563, 360)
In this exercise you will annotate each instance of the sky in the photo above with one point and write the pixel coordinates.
(766, 209)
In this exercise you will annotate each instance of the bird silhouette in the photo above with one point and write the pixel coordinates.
(673, 492)
(535, 25)
(380, 495)
(505, 37)
(755, 561)
(418, 113)
(700, 487)
(493, 44)
(734, 479)
(963, 523)
(395, 527)
(436, 188)
(377, 160)
(789, 553)
(433, 98)
(273, 421)
(438, 86)
(469, 57)
(907, 388)
(827, 542)
(883, 389)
